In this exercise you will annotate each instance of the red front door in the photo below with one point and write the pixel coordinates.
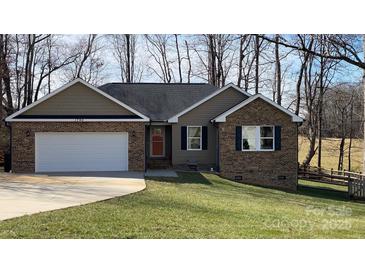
(157, 140)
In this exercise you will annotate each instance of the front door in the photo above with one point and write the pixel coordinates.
(157, 141)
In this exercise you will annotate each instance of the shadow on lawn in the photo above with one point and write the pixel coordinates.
(184, 178)
(322, 192)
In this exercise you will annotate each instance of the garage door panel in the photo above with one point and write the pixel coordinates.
(99, 151)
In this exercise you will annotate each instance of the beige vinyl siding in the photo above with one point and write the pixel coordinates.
(78, 100)
(201, 116)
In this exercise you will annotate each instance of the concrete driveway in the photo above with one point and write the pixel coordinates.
(29, 194)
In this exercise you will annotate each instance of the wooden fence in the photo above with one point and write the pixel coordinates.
(355, 182)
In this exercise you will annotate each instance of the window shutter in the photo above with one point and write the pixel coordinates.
(183, 138)
(204, 138)
(238, 138)
(277, 137)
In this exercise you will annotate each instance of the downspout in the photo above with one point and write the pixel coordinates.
(145, 146)
(217, 147)
(8, 125)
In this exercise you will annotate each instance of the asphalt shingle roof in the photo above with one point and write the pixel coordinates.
(156, 100)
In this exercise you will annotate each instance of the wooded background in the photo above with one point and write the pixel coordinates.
(316, 76)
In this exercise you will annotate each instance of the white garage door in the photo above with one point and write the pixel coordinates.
(86, 151)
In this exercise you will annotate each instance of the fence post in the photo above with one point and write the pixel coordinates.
(349, 189)
(331, 174)
(348, 178)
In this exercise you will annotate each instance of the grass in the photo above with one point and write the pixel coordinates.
(200, 206)
(330, 153)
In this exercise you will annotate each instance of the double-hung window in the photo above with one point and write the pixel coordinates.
(257, 138)
(194, 137)
(249, 139)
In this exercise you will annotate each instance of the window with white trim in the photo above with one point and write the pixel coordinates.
(257, 138)
(194, 137)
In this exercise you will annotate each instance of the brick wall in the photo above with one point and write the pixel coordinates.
(23, 146)
(276, 169)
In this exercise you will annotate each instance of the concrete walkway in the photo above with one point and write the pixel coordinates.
(160, 173)
(28, 194)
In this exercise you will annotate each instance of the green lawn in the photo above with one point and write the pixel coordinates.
(201, 206)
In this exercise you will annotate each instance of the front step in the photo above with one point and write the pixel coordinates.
(158, 163)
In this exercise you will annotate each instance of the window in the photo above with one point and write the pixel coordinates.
(257, 138)
(266, 138)
(249, 138)
(194, 137)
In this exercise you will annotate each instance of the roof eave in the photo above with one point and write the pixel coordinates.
(222, 117)
(175, 118)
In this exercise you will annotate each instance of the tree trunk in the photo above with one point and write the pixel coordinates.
(240, 63)
(211, 61)
(340, 157)
(312, 150)
(178, 58)
(298, 87)
(17, 72)
(300, 77)
(257, 62)
(319, 138)
(351, 133)
(189, 60)
(277, 70)
(26, 72)
(49, 64)
(128, 40)
(320, 112)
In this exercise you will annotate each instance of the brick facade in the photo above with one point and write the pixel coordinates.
(276, 169)
(23, 140)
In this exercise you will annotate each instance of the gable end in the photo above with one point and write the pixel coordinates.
(175, 118)
(222, 117)
(77, 100)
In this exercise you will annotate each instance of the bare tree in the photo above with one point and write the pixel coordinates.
(347, 48)
(86, 53)
(217, 57)
(157, 47)
(212, 70)
(125, 50)
(303, 57)
(351, 133)
(245, 62)
(189, 60)
(257, 62)
(30, 63)
(51, 59)
(178, 57)
(317, 82)
(343, 107)
(277, 90)
(5, 72)
(320, 99)
(261, 62)
(88, 63)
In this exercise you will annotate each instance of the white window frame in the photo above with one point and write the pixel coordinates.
(258, 138)
(187, 138)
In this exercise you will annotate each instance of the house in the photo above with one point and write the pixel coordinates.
(121, 126)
